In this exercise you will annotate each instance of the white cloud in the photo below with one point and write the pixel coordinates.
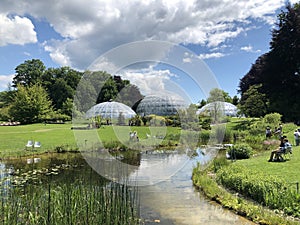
(149, 81)
(211, 55)
(249, 48)
(294, 1)
(5, 80)
(17, 30)
(92, 28)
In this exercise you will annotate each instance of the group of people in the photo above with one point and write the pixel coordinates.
(277, 131)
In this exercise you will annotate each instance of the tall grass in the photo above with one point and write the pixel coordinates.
(73, 203)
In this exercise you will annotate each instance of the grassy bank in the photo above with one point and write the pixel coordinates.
(264, 192)
(232, 200)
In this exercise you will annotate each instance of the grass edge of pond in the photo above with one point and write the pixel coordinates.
(204, 181)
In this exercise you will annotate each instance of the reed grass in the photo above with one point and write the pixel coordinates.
(72, 203)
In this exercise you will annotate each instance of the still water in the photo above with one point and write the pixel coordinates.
(170, 197)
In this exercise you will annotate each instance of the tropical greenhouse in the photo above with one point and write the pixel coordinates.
(110, 110)
(164, 105)
(226, 108)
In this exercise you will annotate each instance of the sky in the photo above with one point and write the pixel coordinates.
(226, 35)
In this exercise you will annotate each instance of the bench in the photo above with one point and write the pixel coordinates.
(284, 155)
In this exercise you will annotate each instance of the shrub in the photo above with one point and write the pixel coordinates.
(240, 151)
(204, 137)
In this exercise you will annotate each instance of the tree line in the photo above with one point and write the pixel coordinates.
(39, 94)
(273, 81)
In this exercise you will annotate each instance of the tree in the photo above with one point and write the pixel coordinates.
(216, 97)
(235, 100)
(31, 104)
(60, 84)
(129, 95)
(108, 92)
(217, 94)
(202, 103)
(60, 91)
(29, 73)
(277, 71)
(254, 103)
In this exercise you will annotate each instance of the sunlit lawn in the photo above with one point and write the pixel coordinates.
(288, 170)
(14, 138)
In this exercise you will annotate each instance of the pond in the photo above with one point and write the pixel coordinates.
(170, 198)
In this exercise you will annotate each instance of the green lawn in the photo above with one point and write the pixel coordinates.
(288, 170)
(14, 138)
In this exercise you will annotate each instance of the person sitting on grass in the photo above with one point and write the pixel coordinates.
(283, 146)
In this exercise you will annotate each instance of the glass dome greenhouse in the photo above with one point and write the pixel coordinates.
(110, 110)
(160, 105)
(227, 108)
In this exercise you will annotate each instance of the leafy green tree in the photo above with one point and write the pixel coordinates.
(67, 107)
(254, 103)
(28, 73)
(235, 100)
(108, 92)
(60, 91)
(31, 104)
(129, 95)
(85, 96)
(216, 94)
(60, 84)
(202, 103)
(278, 70)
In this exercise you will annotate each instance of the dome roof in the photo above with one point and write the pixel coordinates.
(110, 110)
(227, 108)
(160, 105)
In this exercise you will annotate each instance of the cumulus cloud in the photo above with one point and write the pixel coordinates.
(249, 48)
(211, 55)
(5, 80)
(149, 81)
(91, 28)
(16, 30)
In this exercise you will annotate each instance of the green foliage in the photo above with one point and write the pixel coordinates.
(240, 151)
(135, 121)
(254, 103)
(31, 104)
(204, 137)
(268, 190)
(4, 113)
(71, 203)
(205, 122)
(277, 71)
(272, 119)
(248, 208)
(29, 73)
(217, 94)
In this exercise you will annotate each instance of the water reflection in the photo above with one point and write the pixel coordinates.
(175, 200)
(5, 174)
(171, 199)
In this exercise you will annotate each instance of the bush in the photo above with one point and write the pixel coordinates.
(240, 151)
(204, 137)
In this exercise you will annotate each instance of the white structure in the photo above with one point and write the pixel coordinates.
(162, 105)
(110, 110)
(226, 108)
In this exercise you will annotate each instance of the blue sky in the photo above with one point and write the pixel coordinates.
(227, 35)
